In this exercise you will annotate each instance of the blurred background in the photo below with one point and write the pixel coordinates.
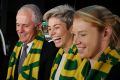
(8, 9)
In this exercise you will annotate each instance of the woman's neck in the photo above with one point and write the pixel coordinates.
(95, 59)
(66, 49)
(68, 45)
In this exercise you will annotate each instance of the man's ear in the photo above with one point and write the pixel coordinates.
(39, 26)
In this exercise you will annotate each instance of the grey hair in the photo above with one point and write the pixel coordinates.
(36, 13)
(63, 12)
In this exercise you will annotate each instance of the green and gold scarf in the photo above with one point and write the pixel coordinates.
(71, 65)
(30, 67)
(102, 67)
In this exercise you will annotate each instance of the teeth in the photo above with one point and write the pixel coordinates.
(55, 39)
(21, 35)
(80, 48)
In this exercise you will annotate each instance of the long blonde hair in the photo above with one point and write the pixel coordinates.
(102, 17)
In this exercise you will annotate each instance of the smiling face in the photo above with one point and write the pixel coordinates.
(25, 27)
(87, 38)
(59, 33)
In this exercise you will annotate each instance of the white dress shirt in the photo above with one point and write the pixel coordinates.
(28, 49)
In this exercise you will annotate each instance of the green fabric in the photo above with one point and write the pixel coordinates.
(71, 64)
(102, 67)
(30, 67)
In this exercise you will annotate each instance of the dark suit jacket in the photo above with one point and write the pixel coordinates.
(3, 62)
(114, 73)
(1, 59)
(48, 54)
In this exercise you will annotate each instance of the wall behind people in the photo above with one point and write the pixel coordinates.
(3, 57)
(14, 5)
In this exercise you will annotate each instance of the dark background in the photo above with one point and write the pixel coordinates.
(8, 9)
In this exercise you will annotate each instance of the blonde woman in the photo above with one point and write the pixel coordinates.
(97, 37)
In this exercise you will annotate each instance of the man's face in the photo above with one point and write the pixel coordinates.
(25, 27)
